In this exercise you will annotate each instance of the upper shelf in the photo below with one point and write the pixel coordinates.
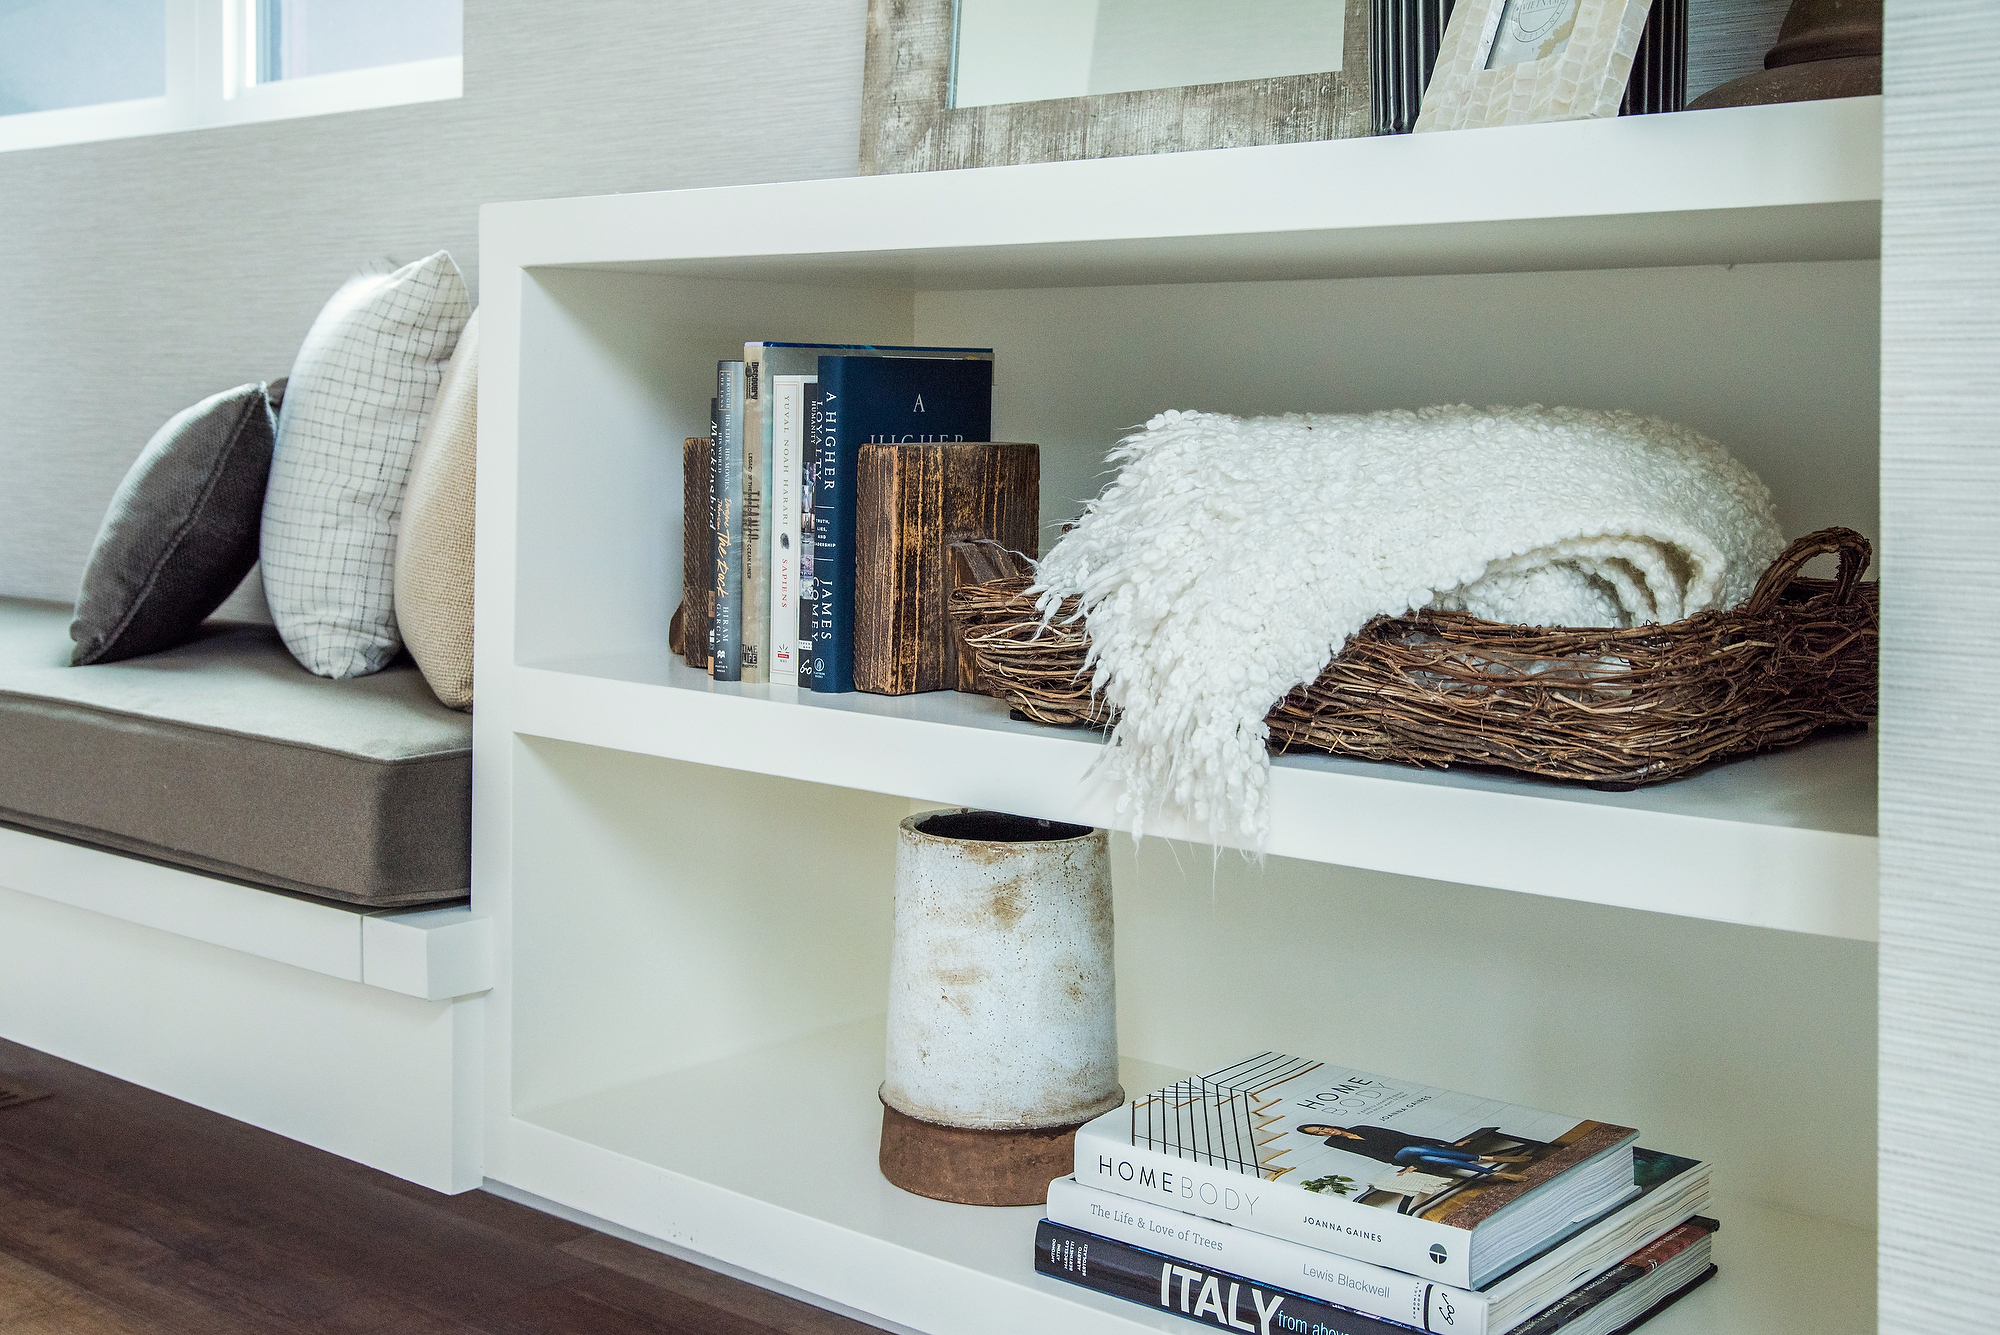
(1801, 181)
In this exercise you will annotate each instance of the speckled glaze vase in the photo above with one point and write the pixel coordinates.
(1002, 1010)
(1826, 48)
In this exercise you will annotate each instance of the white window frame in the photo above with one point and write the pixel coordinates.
(211, 81)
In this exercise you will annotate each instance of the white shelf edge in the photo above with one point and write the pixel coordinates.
(1380, 192)
(284, 928)
(1789, 878)
(433, 953)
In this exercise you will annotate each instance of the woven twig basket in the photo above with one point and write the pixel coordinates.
(1613, 708)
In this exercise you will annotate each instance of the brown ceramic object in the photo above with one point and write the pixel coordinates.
(1826, 48)
(968, 1167)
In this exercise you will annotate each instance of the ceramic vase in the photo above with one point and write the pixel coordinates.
(1826, 49)
(1002, 1010)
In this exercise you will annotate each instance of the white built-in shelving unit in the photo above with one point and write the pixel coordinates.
(690, 882)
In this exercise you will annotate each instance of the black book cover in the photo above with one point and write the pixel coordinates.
(1232, 1302)
(1209, 1296)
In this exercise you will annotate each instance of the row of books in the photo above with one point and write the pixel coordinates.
(785, 430)
(1292, 1197)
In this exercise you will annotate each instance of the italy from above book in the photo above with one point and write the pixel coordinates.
(1449, 1186)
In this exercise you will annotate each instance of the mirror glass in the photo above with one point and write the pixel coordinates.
(1029, 50)
(1531, 30)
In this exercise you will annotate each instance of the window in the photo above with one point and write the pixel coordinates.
(72, 71)
(296, 39)
(69, 53)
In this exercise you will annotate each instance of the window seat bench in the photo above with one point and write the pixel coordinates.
(246, 886)
(225, 756)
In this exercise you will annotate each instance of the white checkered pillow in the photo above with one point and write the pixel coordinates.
(354, 405)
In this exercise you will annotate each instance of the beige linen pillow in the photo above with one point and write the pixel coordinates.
(434, 545)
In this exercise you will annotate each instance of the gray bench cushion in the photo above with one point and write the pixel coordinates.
(226, 756)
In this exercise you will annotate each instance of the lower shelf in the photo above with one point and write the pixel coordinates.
(767, 1161)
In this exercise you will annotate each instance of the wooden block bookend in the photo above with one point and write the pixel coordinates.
(915, 502)
(687, 633)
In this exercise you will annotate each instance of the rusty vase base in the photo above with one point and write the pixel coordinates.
(955, 1163)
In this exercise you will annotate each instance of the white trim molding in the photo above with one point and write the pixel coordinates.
(210, 81)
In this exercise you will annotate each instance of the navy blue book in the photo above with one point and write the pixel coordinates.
(865, 400)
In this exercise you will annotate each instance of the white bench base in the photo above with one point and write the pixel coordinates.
(359, 1034)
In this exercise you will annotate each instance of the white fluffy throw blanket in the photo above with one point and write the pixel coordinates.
(1231, 558)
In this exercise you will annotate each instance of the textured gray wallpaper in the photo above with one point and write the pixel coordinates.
(1940, 982)
(139, 275)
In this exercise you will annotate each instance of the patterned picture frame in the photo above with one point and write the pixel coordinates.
(908, 122)
(1586, 78)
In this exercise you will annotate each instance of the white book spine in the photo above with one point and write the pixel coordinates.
(788, 435)
(1356, 1285)
(1435, 1252)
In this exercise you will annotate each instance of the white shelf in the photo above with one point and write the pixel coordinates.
(706, 1159)
(653, 916)
(1801, 181)
(606, 373)
(1785, 840)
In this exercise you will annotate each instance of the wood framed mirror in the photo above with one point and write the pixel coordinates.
(918, 110)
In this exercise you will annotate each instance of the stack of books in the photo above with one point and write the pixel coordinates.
(1291, 1197)
(785, 430)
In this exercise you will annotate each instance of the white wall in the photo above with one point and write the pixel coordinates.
(1776, 361)
(144, 274)
(1737, 1044)
(1940, 1057)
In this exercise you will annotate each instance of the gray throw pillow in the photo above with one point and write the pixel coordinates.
(181, 532)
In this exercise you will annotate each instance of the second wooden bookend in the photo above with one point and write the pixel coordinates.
(915, 502)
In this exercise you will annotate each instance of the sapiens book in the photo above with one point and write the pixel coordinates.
(863, 400)
(725, 661)
(1673, 1189)
(1453, 1187)
(788, 501)
(1617, 1302)
(765, 363)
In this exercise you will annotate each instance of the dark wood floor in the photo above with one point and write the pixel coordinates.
(124, 1212)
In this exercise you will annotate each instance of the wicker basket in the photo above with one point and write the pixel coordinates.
(1613, 708)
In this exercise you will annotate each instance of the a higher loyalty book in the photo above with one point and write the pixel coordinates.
(1451, 1187)
(895, 400)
